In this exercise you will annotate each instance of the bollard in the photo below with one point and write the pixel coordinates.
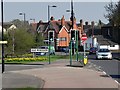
(85, 61)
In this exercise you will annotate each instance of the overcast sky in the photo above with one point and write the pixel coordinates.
(88, 11)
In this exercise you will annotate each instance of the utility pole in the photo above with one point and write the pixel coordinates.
(72, 13)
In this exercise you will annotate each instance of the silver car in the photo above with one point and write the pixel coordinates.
(103, 54)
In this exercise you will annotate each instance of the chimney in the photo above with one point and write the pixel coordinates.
(86, 23)
(63, 21)
(74, 24)
(92, 26)
(81, 25)
(52, 18)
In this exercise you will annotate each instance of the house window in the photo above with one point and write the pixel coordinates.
(63, 38)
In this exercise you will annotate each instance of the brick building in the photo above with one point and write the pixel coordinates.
(59, 31)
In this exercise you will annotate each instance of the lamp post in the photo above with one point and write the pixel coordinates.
(49, 11)
(32, 19)
(72, 13)
(92, 24)
(48, 28)
(24, 16)
(3, 66)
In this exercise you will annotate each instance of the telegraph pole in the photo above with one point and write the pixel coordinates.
(71, 48)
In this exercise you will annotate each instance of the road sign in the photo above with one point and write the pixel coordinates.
(3, 42)
(84, 37)
(38, 50)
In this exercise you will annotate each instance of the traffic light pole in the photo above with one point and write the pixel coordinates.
(70, 53)
(77, 45)
(49, 52)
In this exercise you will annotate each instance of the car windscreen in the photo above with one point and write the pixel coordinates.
(104, 50)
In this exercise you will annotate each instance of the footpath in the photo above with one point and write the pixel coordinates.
(59, 75)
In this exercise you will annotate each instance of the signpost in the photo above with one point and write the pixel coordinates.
(3, 67)
(38, 50)
(34, 50)
(84, 38)
(3, 42)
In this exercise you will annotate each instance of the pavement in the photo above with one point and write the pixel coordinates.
(60, 74)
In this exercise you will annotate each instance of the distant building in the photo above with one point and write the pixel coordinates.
(58, 30)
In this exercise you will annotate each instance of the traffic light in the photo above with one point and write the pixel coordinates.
(75, 34)
(72, 34)
(51, 36)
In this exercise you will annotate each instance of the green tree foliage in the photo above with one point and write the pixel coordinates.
(113, 13)
(20, 24)
(39, 39)
(23, 41)
(22, 38)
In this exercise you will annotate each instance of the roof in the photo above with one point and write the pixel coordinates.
(54, 25)
(6, 25)
(41, 27)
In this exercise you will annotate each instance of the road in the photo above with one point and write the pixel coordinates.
(111, 67)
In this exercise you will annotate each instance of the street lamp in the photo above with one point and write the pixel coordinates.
(49, 11)
(32, 19)
(48, 27)
(23, 16)
(72, 14)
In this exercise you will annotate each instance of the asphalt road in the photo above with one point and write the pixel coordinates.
(111, 67)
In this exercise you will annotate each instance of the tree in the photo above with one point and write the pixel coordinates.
(22, 43)
(20, 24)
(113, 13)
(39, 39)
(20, 40)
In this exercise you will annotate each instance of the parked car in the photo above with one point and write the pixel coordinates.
(64, 49)
(93, 50)
(103, 54)
(52, 51)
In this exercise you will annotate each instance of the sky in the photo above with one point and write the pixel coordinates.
(38, 10)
